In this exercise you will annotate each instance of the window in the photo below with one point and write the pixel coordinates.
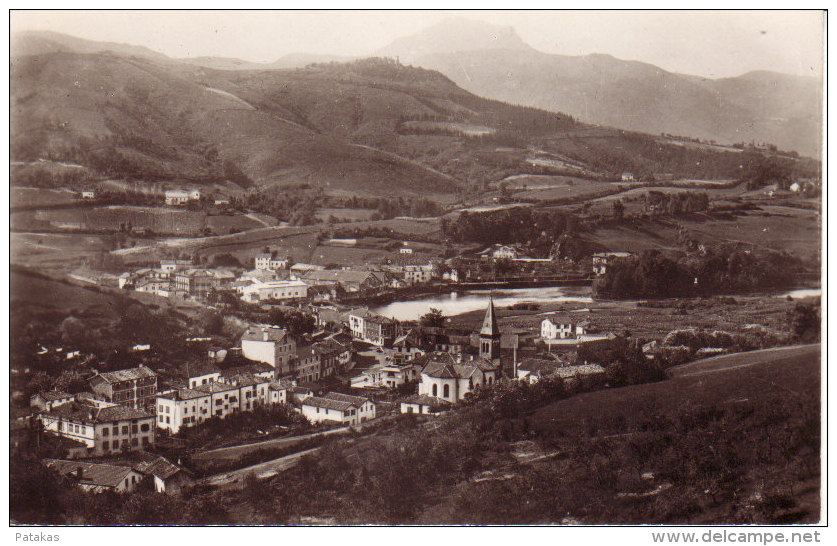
(134, 442)
(168, 421)
(134, 429)
(160, 418)
(60, 425)
(446, 391)
(105, 431)
(145, 427)
(125, 427)
(83, 429)
(160, 409)
(435, 390)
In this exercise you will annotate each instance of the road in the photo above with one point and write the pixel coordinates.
(233, 452)
(742, 360)
(235, 478)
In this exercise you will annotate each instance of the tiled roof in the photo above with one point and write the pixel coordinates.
(444, 370)
(426, 400)
(140, 372)
(317, 402)
(51, 396)
(340, 397)
(584, 369)
(183, 394)
(90, 413)
(280, 385)
(256, 333)
(538, 365)
(328, 346)
(197, 369)
(103, 475)
(254, 368)
(246, 380)
(120, 413)
(214, 387)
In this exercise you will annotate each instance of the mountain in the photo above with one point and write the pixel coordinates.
(494, 62)
(371, 127)
(455, 35)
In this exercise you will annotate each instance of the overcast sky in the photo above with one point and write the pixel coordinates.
(714, 44)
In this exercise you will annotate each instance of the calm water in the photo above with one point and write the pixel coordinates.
(803, 293)
(471, 300)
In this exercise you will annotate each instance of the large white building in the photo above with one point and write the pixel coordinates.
(188, 407)
(271, 345)
(273, 290)
(414, 274)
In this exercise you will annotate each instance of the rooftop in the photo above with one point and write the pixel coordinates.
(257, 333)
(102, 475)
(317, 402)
(340, 397)
(140, 372)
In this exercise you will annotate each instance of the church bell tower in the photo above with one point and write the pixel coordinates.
(490, 334)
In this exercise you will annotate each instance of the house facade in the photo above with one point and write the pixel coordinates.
(104, 430)
(97, 478)
(343, 408)
(132, 388)
(271, 345)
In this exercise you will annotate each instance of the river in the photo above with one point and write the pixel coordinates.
(456, 303)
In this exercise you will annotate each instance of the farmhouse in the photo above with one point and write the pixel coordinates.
(562, 327)
(97, 478)
(132, 388)
(167, 476)
(388, 376)
(627, 177)
(533, 370)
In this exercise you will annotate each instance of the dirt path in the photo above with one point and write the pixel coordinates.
(234, 452)
(235, 478)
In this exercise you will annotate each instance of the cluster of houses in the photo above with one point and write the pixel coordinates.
(127, 411)
(274, 278)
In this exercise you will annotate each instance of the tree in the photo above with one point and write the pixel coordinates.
(805, 322)
(618, 209)
(433, 319)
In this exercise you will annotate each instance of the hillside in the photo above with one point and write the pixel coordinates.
(371, 126)
(765, 107)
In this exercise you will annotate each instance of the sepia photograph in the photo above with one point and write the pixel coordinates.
(337, 268)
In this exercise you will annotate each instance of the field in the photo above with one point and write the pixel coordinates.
(55, 251)
(350, 215)
(722, 380)
(113, 218)
(29, 197)
(566, 188)
(221, 225)
(47, 294)
(731, 315)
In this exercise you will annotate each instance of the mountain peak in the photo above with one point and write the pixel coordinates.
(454, 35)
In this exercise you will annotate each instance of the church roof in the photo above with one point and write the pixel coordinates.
(489, 323)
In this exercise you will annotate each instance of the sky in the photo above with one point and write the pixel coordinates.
(712, 44)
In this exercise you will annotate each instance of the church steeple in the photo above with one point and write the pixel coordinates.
(489, 323)
(490, 334)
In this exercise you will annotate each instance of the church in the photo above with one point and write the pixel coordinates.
(450, 377)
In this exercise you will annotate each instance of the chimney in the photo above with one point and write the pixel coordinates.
(265, 335)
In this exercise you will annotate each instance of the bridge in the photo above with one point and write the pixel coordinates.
(525, 282)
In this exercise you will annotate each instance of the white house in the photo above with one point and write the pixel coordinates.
(269, 344)
(504, 252)
(343, 408)
(88, 194)
(414, 274)
(627, 177)
(388, 376)
(562, 327)
(601, 259)
(177, 197)
(446, 378)
(262, 261)
(423, 404)
(203, 374)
